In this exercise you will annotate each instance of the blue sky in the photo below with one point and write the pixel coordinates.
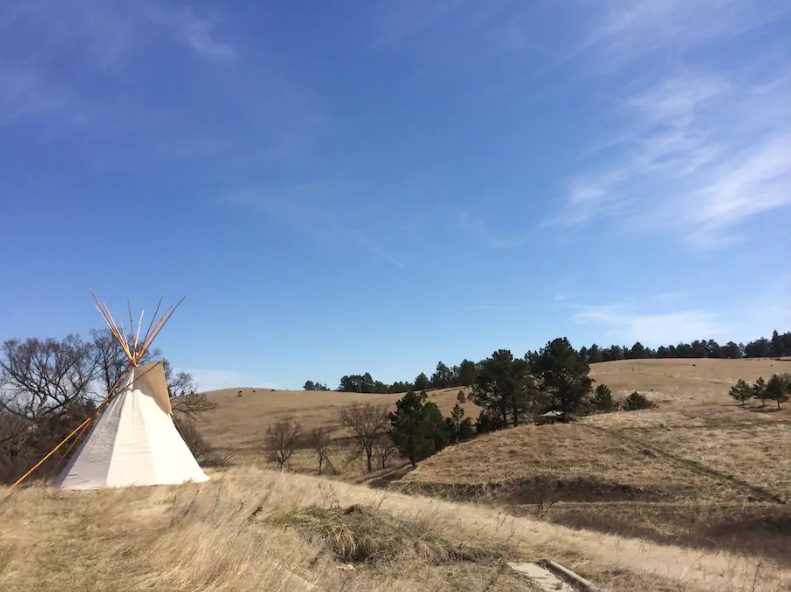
(375, 186)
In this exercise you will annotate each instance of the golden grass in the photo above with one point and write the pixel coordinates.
(583, 465)
(754, 453)
(238, 424)
(684, 469)
(685, 389)
(224, 535)
(748, 528)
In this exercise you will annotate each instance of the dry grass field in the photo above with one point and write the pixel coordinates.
(687, 497)
(248, 529)
(698, 470)
(238, 424)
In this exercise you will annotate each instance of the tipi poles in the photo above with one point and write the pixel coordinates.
(133, 349)
(41, 462)
(71, 447)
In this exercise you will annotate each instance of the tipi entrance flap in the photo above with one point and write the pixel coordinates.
(150, 379)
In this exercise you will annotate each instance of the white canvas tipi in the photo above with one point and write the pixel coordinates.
(135, 441)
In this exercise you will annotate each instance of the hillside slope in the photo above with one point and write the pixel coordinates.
(238, 424)
(685, 389)
(698, 470)
(229, 534)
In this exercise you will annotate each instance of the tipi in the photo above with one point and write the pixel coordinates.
(135, 441)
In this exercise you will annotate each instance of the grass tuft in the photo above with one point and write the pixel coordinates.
(364, 534)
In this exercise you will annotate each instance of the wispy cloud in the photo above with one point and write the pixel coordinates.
(194, 31)
(99, 38)
(477, 227)
(104, 32)
(397, 21)
(702, 151)
(623, 324)
(313, 209)
(626, 31)
(669, 317)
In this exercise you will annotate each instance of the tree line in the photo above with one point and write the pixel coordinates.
(465, 373)
(551, 384)
(49, 386)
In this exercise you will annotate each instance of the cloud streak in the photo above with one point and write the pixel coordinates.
(701, 152)
(623, 324)
(100, 39)
(476, 226)
(312, 209)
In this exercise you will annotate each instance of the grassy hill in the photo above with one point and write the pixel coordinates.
(241, 531)
(238, 424)
(690, 392)
(688, 497)
(698, 469)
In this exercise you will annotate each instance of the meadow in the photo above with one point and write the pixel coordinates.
(689, 496)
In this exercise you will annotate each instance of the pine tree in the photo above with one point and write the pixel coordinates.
(602, 400)
(562, 375)
(460, 428)
(741, 391)
(778, 389)
(504, 388)
(417, 427)
(759, 390)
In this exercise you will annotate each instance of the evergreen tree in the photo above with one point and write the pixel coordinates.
(468, 371)
(602, 400)
(460, 428)
(741, 391)
(442, 377)
(637, 401)
(504, 387)
(759, 390)
(637, 352)
(778, 389)
(422, 382)
(486, 422)
(562, 375)
(595, 354)
(731, 351)
(417, 427)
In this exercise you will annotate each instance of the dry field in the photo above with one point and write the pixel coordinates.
(238, 424)
(684, 498)
(248, 530)
(699, 470)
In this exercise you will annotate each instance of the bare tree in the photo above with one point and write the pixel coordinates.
(320, 440)
(188, 408)
(44, 377)
(367, 422)
(384, 448)
(280, 441)
(44, 395)
(186, 403)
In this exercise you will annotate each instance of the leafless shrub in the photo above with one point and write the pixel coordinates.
(206, 454)
(280, 441)
(319, 440)
(546, 494)
(384, 448)
(192, 405)
(367, 422)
